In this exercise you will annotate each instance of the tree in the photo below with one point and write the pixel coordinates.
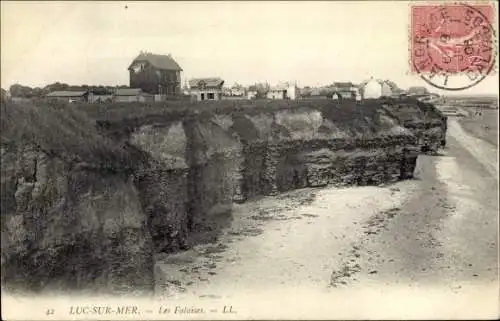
(37, 92)
(237, 86)
(262, 89)
(75, 88)
(21, 91)
(57, 86)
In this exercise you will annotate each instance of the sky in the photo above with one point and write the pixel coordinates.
(312, 43)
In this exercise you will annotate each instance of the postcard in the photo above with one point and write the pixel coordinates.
(249, 160)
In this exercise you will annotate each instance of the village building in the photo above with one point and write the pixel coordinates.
(129, 95)
(376, 88)
(156, 74)
(276, 93)
(206, 88)
(99, 95)
(252, 94)
(317, 93)
(345, 91)
(237, 91)
(283, 91)
(68, 96)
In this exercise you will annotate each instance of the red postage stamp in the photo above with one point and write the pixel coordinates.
(450, 39)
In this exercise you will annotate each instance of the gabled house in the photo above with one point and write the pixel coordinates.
(376, 88)
(206, 88)
(155, 74)
(344, 91)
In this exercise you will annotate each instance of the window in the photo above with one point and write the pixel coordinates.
(138, 68)
(211, 96)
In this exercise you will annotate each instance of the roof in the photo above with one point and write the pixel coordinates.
(392, 85)
(129, 92)
(210, 82)
(64, 93)
(343, 85)
(165, 62)
(343, 93)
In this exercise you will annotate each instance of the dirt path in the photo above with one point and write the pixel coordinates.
(428, 245)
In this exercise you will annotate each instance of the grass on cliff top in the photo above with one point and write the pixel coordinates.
(340, 113)
(60, 130)
(70, 132)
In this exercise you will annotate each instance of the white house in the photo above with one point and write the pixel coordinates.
(206, 88)
(292, 91)
(238, 92)
(376, 88)
(283, 91)
(252, 94)
(276, 93)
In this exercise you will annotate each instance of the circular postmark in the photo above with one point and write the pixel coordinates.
(453, 45)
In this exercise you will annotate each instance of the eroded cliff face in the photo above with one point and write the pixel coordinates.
(163, 183)
(198, 166)
(71, 227)
(423, 120)
(303, 147)
(73, 218)
(187, 185)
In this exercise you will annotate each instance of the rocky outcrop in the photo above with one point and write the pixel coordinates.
(304, 147)
(71, 214)
(163, 183)
(71, 227)
(423, 120)
(187, 185)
